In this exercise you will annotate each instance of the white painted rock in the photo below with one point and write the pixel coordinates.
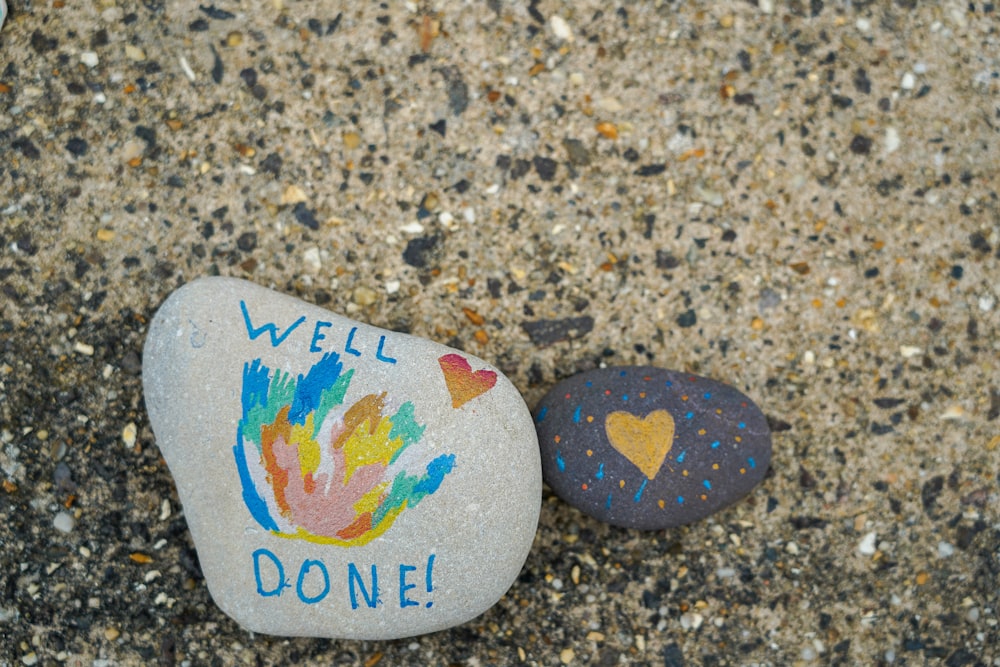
(339, 480)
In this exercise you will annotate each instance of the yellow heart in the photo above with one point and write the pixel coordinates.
(644, 442)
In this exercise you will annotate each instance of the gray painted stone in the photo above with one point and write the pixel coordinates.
(649, 448)
(339, 480)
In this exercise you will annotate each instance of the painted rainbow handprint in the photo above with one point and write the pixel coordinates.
(316, 470)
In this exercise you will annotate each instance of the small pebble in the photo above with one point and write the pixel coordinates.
(90, 59)
(560, 28)
(83, 348)
(64, 522)
(908, 82)
(945, 549)
(129, 434)
(866, 547)
(648, 448)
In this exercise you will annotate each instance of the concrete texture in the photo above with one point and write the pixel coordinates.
(797, 198)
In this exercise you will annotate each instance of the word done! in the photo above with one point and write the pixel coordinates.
(314, 582)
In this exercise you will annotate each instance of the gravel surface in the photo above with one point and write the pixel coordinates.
(796, 198)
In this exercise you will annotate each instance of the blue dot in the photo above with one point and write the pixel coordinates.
(560, 462)
(622, 374)
(589, 383)
(753, 464)
(680, 500)
(708, 396)
(741, 425)
(708, 485)
(689, 415)
(624, 397)
(669, 383)
(715, 445)
(541, 415)
(680, 459)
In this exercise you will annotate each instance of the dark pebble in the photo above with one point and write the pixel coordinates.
(648, 448)
(861, 145)
(419, 251)
(546, 167)
(249, 76)
(687, 319)
(77, 146)
(305, 216)
(547, 332)
(651, 170)
(441, 127)
(578, 154)
(247, 241)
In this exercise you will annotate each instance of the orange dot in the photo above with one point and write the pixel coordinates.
(557, 438)
(590, 418)
(621, 484)
(607, 392)
(718, 411)
(715, 466)
(684, 472)
(739, 439)
(590, 452)
(743, 471)
(704, 497)
(701, 431)
(646, 378)
(642, 394)
(661, 504)
(684, 398)
(583, 486)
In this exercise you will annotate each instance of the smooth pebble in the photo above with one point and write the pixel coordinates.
(339, 480)
(648, 448)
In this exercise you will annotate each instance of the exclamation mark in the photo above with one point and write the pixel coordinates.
(429, 578)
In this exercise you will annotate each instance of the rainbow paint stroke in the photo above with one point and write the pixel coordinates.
(316, 471)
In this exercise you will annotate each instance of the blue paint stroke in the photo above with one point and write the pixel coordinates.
(680, 458)
(309, 389)
(541, 414)
(607, 503)
(256, 504)
(715, 445)
(600, 472)
(576, 415)
(689, 415)
(560, 462)
(624, 397)
(270, 328)
(753, 464)
(741, 425)
(638, 494)
(708, 485)
(680, 500)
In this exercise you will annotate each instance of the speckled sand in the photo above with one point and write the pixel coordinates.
(796, 198)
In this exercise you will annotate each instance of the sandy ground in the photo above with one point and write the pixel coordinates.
(798, 198)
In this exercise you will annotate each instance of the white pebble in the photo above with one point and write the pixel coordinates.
(945, 549)
(469, 214)
(986, 303)
(973, 614)
(446, 218)
(83, 348)
(910, 351)
(866, 547)
(908, 81)
(560, 28)
(391, 286)
(128, 435)
(766, 6)
(725, 573)
(165, 510)
(920, 68)
(412, 228)
(64, 522)
(311, 259)
(90, 59)
(892, 140)
(863, 24)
